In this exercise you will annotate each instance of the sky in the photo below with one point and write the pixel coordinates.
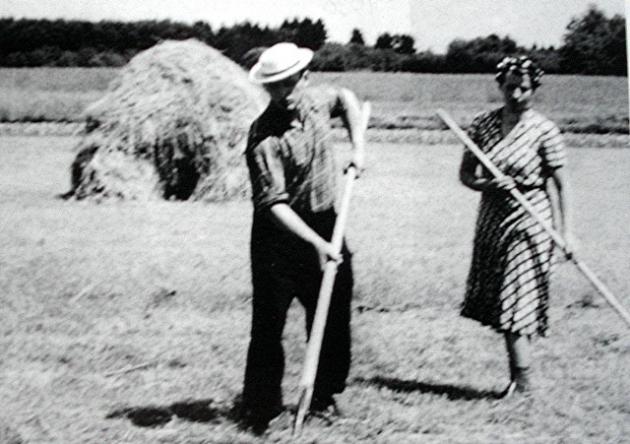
(432, 23)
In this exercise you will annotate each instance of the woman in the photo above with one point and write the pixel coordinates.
(508, 282)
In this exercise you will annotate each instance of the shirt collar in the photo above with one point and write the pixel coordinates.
(293, 116)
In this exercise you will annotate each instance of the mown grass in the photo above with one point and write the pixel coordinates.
(50, 94)
(93, 289)
(576, 103)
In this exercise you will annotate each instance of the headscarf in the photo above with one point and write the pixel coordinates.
(521, 65)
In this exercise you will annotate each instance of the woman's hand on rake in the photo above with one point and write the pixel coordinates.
(570, 246)
(505, 184)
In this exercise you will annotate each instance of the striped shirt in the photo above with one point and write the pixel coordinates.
(289, 154)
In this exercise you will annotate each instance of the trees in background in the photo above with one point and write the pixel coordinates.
(403, 44)
(356, 38)
(384, 41)
(28, 42)
(593, 44)
(305, 33)
(399, 43)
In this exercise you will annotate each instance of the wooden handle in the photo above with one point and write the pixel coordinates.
(313, 348)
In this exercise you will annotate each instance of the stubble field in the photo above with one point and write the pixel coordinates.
(128, 323)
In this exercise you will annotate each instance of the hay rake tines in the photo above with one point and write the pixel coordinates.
(314, 345)
(522, 200)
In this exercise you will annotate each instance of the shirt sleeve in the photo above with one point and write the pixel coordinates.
(327, 98)
(552, 149)
(266, 173)
(335, 104)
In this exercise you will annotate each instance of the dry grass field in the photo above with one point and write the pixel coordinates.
(128, 322)
(41, 94)
(577, 103)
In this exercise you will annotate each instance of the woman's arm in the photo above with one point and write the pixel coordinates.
(468, 173)
(470, 176)
(562, 220)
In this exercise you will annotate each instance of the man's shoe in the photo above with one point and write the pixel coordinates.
(325, 408)
(258, 422)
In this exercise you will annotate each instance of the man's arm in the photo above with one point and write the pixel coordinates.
(284, 216)
(351, 117)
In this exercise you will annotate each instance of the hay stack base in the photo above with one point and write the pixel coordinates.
(173, 125)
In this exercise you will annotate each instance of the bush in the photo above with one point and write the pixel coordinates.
(331, 57)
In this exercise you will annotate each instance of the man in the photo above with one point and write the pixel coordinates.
(293, 175)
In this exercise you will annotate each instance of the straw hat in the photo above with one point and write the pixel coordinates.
(280, 61)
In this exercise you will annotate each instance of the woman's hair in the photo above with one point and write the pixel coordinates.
(521, 65)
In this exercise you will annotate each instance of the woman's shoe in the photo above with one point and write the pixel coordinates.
(520, 383)
(509, 390)
(523, 380)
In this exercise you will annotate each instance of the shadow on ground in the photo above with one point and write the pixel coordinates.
(452, 392)
(202, 410)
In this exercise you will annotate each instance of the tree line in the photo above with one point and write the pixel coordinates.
(593, 44)
(29, 42)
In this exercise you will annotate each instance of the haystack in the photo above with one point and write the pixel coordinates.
(172, 125)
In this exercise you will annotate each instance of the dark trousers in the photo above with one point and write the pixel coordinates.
(284, 267)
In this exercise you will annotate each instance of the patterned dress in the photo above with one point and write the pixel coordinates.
(508, 282)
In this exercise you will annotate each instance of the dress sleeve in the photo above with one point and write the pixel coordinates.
(266, 172)
(472, 132)
(552, 149)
